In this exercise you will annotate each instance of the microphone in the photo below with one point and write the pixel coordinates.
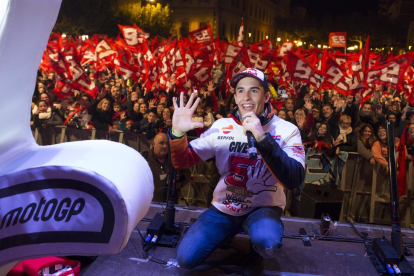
(252, 151)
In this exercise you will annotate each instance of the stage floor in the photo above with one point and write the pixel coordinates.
(321, 258)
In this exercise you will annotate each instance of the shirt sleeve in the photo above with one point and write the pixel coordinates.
(286, 163)
(186, 155)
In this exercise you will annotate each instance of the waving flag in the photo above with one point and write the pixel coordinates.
(300, 70)
(202, 35)
(337, 78)
(133, 35)
(391, 72)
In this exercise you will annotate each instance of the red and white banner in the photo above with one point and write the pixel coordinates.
(186, 63)
(337, 39)
(337, 78)
(300, 70)
(202, 35)
(391, 72)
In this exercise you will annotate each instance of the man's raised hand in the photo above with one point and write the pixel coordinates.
(181, 122)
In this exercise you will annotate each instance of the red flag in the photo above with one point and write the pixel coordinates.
(231, 52)
(408, 84)
(133, 35)
(337, 78)
(105, 52)
(300, 70)
(391, 72)
(202, 35)
(240, 62)
(337, 39)
(286, 46)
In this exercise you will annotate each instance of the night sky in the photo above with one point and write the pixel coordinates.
(319, 8)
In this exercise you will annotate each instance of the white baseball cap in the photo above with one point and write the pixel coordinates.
(250, 72)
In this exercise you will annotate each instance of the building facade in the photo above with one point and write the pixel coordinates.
(225, 17)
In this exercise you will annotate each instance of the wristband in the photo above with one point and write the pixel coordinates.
(178, 136)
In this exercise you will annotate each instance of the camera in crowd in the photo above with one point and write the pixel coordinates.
(75, 122)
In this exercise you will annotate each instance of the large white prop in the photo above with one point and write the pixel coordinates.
(81, 198)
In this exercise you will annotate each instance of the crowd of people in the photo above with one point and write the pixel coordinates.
(326, 119)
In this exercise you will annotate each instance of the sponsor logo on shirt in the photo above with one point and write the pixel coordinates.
(298, 149)
(231, 138)
(277, 138)
(238, 147)
(227, 130)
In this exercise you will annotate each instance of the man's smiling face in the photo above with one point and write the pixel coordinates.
(250, 96)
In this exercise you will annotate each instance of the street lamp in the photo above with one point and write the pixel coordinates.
(409, 47)
(319, 46)
(279, 39)
(300, 43)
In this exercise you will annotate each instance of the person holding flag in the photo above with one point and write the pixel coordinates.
(249, 195)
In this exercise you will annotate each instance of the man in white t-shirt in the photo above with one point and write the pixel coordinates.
(249, 195)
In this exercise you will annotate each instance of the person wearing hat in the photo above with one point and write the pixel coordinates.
(249, 194)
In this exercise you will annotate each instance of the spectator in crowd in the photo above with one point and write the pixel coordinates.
(165, 123)
(350, 108)
(304, 120)
(396, 105)
(376, 98)
(304, 123)
(48, 113)
(316, 99)
(134, 113)
(330, 115)
(289, 104)
(221, 113)
(290, 116)
(159, 109)
(406, 118)
(366, 139)
(84, 112)
(166, 114)
(160, 166)
(321, 139)
(391, 116)
(149, 125)
(102, 117)
(143, 109)
(316, 115)
(116, 111)
(367, 116)
(131, 126)
(209, 117)
(118, 97)
(409, 141)
(282, 114)
(344, 138)
(42, 108)
(218, 77)
(380, 149)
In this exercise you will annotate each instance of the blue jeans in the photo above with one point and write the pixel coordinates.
(214, 228)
